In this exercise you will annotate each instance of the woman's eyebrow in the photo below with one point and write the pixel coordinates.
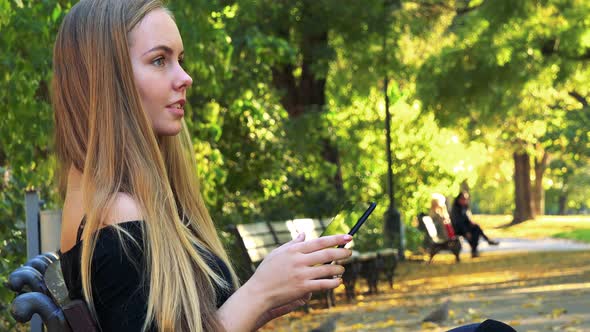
(164, 48)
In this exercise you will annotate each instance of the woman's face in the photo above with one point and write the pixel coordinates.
(464, 200)
(157, 53)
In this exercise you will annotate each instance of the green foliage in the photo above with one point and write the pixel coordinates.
(28, 30)
(498, 75)
(12, 245)
(516, 72)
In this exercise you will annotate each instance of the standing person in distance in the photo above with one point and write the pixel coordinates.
(138, 244)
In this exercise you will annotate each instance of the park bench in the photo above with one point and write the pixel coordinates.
(42, 297)
(256, 240)
(435, 244)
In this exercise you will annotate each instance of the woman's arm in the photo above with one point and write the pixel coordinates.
(283, 280)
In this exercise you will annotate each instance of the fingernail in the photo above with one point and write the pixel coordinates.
(347, 237)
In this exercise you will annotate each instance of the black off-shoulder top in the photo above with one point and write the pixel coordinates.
(119, 279)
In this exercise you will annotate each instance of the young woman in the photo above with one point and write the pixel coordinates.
(464, 225)
(137, 241)
(440, 217)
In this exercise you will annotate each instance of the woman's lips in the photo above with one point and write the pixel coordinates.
(175, 110)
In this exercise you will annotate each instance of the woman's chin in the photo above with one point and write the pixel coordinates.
(171, 130)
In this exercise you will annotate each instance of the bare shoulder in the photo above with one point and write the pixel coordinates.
(124, 208)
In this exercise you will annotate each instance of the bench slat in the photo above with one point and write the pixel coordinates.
(253, 229)
(258, 241)
(258, 254)
(312, 227)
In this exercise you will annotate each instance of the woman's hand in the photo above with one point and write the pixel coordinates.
(283, 279)
(279, 311)
(297, 268)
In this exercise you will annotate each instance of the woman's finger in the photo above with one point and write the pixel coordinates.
(323, 242)
(322, 284)
(327, 255)
(325, 271)
(300, 238)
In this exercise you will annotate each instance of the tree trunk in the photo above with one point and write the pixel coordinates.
(307, 93)
(538, 192)
(561, 202)
(522, 188)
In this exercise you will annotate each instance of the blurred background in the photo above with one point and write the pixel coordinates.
(291, 103)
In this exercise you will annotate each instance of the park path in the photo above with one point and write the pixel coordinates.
(512, 244)
(533, 285)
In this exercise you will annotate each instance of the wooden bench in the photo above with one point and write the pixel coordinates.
(435, 244)
(257, 240)
(41, 296)
(41, 290)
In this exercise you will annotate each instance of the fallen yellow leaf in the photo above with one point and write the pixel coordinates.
(429, 325)
(357, 326)
(387, 323)
(452, 313)
(558, 312)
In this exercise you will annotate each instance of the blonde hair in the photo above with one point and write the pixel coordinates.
(438, 205)
(102, 130)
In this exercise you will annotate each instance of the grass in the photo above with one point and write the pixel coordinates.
(582, 235)
(565, 227)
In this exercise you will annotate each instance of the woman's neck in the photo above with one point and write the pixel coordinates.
(73, 210)
(74, 179)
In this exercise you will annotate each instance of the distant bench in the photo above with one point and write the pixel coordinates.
(257, 240)
(433, 242)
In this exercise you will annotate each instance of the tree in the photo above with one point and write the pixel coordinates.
(509, 63)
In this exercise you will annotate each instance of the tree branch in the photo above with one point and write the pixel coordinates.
(460, 11)
(550, 47)
(579, 98)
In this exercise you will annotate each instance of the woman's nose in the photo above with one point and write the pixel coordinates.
(183, 80)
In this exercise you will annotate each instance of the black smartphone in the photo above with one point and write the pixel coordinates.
(349, 219)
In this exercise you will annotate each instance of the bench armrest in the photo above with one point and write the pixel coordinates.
(27, 304)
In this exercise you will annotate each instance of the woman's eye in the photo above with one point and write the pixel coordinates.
(181, 62)
(158, 62)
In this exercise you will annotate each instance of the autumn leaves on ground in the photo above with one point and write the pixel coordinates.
(542, 291)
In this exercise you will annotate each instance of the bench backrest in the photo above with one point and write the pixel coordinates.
(313, 228)
(40, 307)
(430, 227)
(258, 239)
(43, 226)
(43, 229)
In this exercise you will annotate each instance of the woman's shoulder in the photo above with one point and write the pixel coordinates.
(108, 241)
(124, 208)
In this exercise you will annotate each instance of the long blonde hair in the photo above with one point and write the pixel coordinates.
(102, 130)
(438, 205)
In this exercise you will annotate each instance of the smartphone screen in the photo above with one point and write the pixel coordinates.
(350, 218)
